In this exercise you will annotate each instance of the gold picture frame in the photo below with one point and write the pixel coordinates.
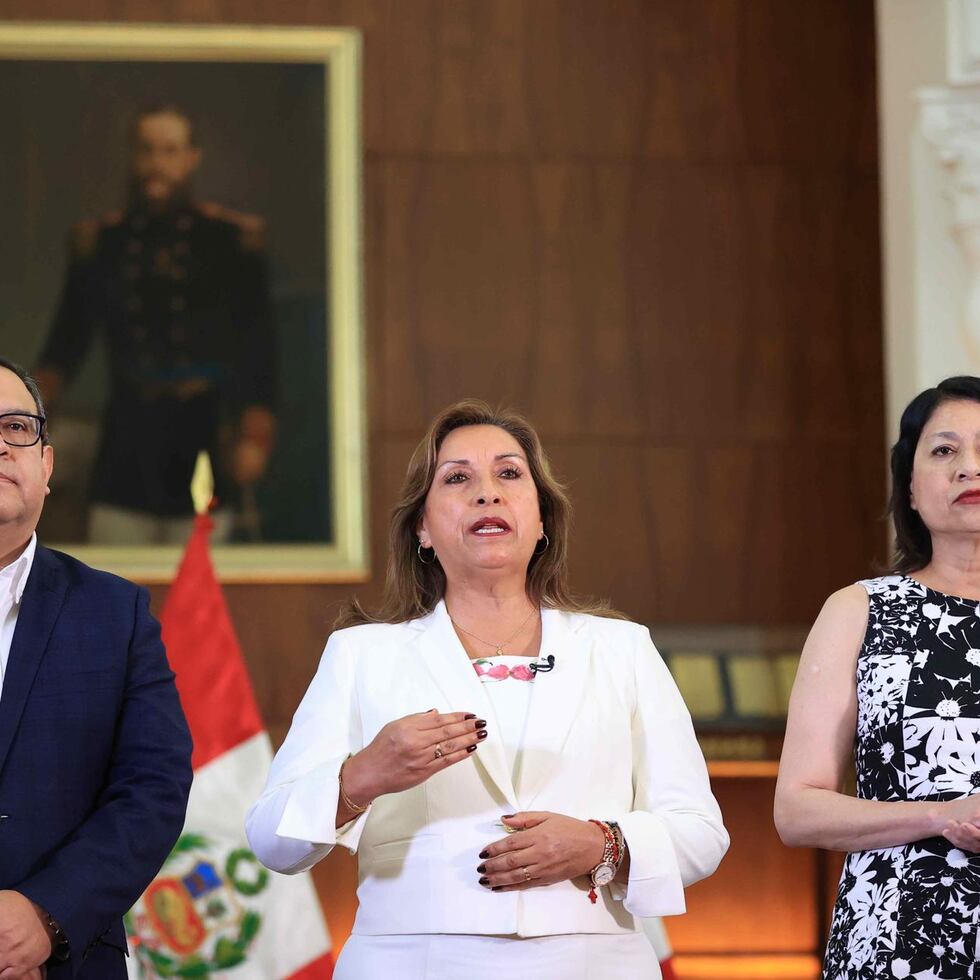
(342, 556)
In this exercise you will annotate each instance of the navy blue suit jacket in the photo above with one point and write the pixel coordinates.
(94, 757)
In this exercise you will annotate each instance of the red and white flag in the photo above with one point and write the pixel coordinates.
(213, 909)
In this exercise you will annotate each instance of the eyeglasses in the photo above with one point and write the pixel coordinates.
(20, 429)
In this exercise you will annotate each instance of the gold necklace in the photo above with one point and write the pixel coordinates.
(498, 647)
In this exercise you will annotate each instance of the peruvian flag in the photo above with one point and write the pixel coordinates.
(657, 934)
(213, 908)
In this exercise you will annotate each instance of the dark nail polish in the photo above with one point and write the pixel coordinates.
(470, 748)
(507, 816)
(481, 869)
(484, 881)
(484, 855)
(481, 724)
(481, 734)
(468, 717)
(497, 888)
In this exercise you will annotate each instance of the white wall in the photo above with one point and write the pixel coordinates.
(924, 273)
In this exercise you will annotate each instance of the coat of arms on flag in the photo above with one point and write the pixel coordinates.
(213, 911)
(200, 913)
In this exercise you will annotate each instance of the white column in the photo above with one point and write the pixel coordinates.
(947, 209)
(915, 238)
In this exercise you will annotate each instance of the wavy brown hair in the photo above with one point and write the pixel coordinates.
(413, 588)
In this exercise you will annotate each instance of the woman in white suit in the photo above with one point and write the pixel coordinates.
(514, 767)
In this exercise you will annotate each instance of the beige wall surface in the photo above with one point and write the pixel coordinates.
(911, 37)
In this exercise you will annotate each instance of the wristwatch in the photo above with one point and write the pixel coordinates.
(60, 949)
(606, 869)
(602, 873)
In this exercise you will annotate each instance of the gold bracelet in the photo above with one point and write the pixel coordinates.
(348, 802)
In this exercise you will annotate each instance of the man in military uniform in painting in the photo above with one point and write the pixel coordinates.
(181, 289)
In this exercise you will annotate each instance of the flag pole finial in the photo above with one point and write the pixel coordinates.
(202, 483)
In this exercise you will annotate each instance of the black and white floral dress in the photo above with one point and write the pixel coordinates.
(912, 911)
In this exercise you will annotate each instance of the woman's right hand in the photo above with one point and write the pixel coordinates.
(407, 751)
(960, 823)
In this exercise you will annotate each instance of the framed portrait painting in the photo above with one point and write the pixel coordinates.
(182, 271)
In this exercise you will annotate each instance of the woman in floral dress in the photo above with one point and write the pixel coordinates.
(890, 676)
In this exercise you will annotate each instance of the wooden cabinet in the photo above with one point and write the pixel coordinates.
(766, 911)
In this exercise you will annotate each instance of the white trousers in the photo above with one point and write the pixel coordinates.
(449, 957)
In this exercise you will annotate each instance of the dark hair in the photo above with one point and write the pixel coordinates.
(165, 109)
(913, 542)
(413, 587)
(31, 385)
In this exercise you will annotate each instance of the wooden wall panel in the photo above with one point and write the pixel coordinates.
(654, 227)
(809, 83)
(653, 224)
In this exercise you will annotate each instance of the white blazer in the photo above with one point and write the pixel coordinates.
(607, 736)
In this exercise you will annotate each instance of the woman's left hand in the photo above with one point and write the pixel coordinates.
(547, 847)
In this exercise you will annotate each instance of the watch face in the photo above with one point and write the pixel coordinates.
(603, 875)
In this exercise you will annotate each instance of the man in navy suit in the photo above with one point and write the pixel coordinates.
(94, 748)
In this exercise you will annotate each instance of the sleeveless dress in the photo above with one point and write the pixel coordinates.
(912, 911)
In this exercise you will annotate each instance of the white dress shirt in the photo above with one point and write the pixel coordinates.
(13, 578)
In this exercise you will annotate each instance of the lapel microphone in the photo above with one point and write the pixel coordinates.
(543, 668)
